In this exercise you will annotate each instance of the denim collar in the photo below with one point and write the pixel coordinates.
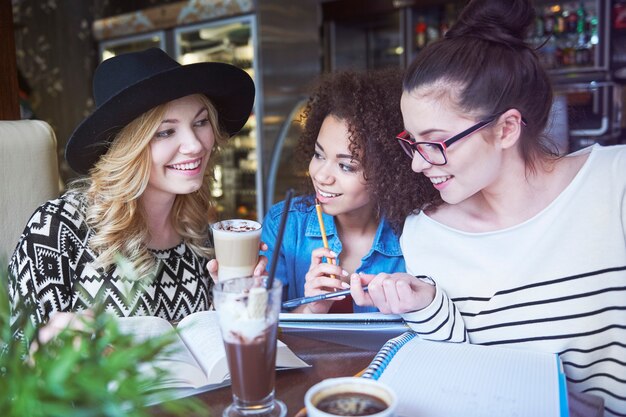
(385, 241)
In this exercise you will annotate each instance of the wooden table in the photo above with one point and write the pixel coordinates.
(331, 360)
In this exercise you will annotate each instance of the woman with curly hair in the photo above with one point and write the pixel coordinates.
(350, 121)
(146, 153)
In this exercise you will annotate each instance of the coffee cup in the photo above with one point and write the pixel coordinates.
(236, 247)
(350, 396)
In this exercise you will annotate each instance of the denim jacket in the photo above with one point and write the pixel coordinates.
(302, 235)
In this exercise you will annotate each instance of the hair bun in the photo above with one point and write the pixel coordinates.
(502, 21)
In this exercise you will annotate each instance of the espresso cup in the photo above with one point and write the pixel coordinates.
(350, 396)
(236, 247)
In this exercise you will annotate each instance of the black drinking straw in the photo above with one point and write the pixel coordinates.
(279, 238)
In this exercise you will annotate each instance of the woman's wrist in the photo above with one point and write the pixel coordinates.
(427, 291)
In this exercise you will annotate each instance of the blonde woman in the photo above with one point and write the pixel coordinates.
(145, 198)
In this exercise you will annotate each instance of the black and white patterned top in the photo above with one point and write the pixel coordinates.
(52, 269)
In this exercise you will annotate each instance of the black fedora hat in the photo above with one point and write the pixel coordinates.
(130, 84)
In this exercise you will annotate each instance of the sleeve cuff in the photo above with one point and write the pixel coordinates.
(416, 318)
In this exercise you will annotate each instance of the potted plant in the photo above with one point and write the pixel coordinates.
(97, 372)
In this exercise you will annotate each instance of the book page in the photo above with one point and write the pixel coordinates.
(201, 332)
(438, 379)
(180, 362)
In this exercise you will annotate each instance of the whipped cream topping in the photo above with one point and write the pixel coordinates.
(237, 225)
(242, 319)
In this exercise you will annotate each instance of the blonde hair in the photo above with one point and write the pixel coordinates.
(120, 177)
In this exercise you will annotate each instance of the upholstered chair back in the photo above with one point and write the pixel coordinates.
(29, 175)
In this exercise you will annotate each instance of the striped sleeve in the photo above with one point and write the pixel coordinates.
(441, 320)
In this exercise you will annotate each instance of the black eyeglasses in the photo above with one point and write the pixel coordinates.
(435, 152)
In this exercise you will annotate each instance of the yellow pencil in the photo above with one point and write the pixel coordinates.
(318, 209)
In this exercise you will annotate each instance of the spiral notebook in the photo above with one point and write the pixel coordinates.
(438, 379)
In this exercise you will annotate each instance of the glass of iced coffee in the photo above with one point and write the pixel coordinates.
(236, 247)
(248, 316)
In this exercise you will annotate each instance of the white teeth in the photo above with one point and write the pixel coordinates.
(439, 180)
(186, 167)
(327, 195)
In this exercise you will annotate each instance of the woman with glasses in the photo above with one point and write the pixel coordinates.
(525, 248)
(344, 146)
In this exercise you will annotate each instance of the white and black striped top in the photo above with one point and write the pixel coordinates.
(556, 282)
(51, 270)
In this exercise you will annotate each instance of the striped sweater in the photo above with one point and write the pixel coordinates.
(556, 282)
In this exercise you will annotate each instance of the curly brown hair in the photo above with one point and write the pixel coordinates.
(370, 104)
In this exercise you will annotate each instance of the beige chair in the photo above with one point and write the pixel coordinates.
(29, 175)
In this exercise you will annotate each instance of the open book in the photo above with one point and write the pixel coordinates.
(438, 379)
(198, 358)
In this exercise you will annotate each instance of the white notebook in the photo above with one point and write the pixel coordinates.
(438, 379)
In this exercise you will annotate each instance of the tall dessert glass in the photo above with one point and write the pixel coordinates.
(248, 316)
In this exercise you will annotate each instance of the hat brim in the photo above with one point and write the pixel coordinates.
(229, 88)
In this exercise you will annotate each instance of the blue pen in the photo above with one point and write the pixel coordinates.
(305, 300)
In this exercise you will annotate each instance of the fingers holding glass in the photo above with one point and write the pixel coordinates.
(261, 266)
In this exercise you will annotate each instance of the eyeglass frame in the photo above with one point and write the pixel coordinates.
(403, 138)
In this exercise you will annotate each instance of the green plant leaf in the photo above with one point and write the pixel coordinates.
(92, 373)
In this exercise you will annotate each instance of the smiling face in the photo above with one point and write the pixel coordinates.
(337, 176)
(474, 162)
(180, 148)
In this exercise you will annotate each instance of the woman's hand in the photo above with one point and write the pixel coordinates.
(261, 266)
(213, 267)
(397, 293)
(319, 281)
(59, 322)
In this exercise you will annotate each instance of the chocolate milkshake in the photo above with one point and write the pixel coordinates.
(248, 315)
(253, 362)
